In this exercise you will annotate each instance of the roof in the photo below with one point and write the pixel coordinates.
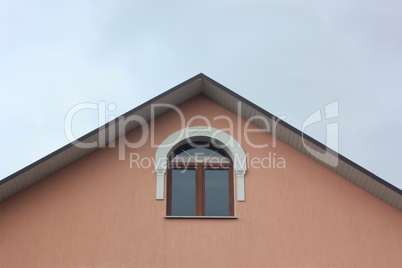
(202, 84)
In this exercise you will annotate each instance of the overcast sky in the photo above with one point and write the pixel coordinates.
(289, 57)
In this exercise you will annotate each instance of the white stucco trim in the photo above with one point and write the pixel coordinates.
(201, 133)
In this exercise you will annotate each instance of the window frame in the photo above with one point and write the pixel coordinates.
(200, 181)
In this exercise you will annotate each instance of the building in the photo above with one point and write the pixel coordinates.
(198, 176)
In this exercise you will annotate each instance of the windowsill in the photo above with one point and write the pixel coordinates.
(202, 217)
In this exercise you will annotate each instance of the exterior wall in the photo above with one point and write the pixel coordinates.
(98, 212)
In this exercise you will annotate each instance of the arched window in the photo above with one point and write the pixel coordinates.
(221, 138)
(200, 181)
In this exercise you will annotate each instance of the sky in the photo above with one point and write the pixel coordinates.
(290, 57)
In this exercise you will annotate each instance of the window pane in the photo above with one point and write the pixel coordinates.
(183, 192)
(200, 155)
(217, 192)
(200, 152)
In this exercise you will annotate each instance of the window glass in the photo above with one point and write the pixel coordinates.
(199, 181)
(183, 192)
(217, 192)
(190, 155)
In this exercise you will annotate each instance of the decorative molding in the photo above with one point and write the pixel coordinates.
(240, 184)
(224, 140)
(199, 130)
(160, 182)
(240, 172)
(160, 171)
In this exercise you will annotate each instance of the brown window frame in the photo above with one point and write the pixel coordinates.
(200, 182)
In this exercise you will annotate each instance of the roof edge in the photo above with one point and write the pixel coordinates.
(97, 130)
(304, 135)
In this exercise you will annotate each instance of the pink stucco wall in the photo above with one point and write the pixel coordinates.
(98, 212)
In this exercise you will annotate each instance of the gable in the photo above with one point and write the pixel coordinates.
(201, 84)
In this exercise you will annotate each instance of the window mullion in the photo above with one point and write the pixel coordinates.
(169, 192)
(231, 191)
(203, 188)
(199, 191)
